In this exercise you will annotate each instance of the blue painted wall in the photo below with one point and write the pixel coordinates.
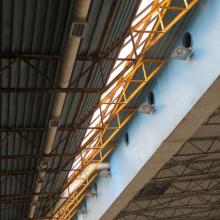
(177, 88)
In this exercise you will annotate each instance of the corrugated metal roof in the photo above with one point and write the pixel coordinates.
(27, 27)
(41, 27)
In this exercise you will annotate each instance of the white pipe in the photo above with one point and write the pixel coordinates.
(38, 186)
(79, 181)
(80, 12)
(32, 209)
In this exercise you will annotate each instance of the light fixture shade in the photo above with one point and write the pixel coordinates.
(182, 53)
(146, 108)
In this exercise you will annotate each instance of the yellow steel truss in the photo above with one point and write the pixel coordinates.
(132, 79)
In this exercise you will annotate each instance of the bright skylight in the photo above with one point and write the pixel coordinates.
(127, 51)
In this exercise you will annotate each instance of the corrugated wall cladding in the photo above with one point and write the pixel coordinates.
(40, 27)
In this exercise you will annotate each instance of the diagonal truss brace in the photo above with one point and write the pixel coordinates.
(126, 81)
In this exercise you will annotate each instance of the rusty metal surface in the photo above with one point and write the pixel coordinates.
(32, 38)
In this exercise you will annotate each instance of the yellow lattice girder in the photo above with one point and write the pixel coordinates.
(104, 146)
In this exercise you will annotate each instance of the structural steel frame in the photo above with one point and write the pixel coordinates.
(143, 71)
(69, 208)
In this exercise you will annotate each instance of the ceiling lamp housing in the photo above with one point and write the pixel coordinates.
(185, 51)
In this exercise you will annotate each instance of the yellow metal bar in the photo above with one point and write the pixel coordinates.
(98, 154)
(161, 21)
(75, 195)
(155, 29)
(115, 131)
(174, 8)
(186, 3)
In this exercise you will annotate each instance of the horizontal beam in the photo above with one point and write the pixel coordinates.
(187, 156)
(33, 172)
(60, 128)
(179, 217)
(210, 138)
(28, 199)
(35, 56)
(182, 194)
(95, 58)
(38, 129)
(4, 196)
(31, 156)
(189, 177)
(189, 218)
(43, 218)
(31, 56)
(176, 207)
(51, 90)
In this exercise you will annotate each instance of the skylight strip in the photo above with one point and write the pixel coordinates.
(127, 51)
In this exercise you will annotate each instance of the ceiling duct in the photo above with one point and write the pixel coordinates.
(79, 13)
